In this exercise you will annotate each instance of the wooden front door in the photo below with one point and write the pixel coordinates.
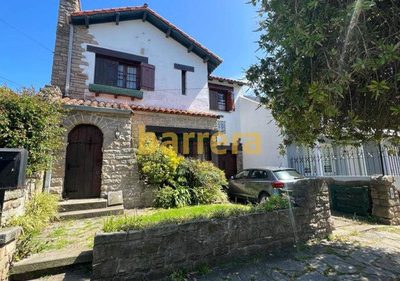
(83, 163)
(228, 163)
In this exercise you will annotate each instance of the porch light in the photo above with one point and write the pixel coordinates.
(117, 134)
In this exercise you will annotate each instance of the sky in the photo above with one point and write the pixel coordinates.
(27, 30)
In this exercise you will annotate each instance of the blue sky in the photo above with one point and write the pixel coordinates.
(27, 30)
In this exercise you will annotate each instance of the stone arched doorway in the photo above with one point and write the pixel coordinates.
(83, 163)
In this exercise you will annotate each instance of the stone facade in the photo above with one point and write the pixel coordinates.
(81, 37)
(156, 252)
(60, 60)
(119, 169)
(385, 200)
(118, 160)
(78, 86)
(170, 120)
(8, 241)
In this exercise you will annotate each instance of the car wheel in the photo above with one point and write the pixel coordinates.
(263, 197)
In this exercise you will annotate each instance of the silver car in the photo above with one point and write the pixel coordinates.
(260, 183)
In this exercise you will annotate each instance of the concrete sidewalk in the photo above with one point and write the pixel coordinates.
(356, 251)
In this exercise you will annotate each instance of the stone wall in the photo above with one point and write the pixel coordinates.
(385, 200)
(170, 120)
(14, 200)
(118, 171)
(384, 195)
(8, 241)
(156, 252)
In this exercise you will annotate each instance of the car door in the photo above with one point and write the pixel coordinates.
(237, 184)
(258, 182)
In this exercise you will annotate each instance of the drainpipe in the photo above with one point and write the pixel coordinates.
(69, 60)
(381, 156)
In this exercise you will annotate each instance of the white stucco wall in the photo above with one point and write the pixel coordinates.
(255, 119)
(231, 119)
(143, 39)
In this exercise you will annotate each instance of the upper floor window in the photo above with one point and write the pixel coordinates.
(221, 98)
(123, 73)
(127, 76)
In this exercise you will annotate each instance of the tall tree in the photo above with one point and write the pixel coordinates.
(330, 68)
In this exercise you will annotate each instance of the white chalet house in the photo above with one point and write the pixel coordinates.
(123, 70)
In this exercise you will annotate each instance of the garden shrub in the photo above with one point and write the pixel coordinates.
(169, 197)
(180, 181)
(275, 202)
(31, 121)
(39, 212)
(157, 163)
(204, 180)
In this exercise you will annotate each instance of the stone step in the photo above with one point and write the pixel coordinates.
(82, 204)
(44, 264)
(93, 213)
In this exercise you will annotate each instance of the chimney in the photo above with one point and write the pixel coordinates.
(61, 50)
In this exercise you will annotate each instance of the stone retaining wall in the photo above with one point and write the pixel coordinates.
(154, 253)
(14, 200)
(8, 242)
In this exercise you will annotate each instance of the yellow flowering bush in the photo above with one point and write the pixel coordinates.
(157, 163)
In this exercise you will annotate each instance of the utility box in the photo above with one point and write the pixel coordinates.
(13, 164)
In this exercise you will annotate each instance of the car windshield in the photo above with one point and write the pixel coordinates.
(288, 175)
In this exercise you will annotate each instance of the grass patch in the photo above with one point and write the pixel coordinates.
(179, 215)
(39, 212)
(391, 229)
(179, 275)
(58, 244)
(58, 232)
(186, 214)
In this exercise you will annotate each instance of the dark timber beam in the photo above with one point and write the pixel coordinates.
(87, 21)
(168, 34)
(190, 49)
(144, 16)
(117, 18)
(206, 59)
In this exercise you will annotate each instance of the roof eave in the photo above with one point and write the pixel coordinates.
(212, 60)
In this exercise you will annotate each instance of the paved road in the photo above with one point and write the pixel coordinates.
(356, 251)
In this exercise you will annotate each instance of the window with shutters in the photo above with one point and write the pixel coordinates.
(123, 74)
(221, 98)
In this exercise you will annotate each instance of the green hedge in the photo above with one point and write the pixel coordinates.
(31, 121)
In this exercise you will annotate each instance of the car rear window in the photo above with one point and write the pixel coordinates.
(288, 175)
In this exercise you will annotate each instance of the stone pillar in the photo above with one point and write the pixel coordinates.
(385, 200)
(313, 217)
(66, 8)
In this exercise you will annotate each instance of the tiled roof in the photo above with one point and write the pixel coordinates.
(226, 80)
(106, 11)
(154, 18)
(123, 106)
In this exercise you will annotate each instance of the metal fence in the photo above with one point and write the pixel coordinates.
(350, 162)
